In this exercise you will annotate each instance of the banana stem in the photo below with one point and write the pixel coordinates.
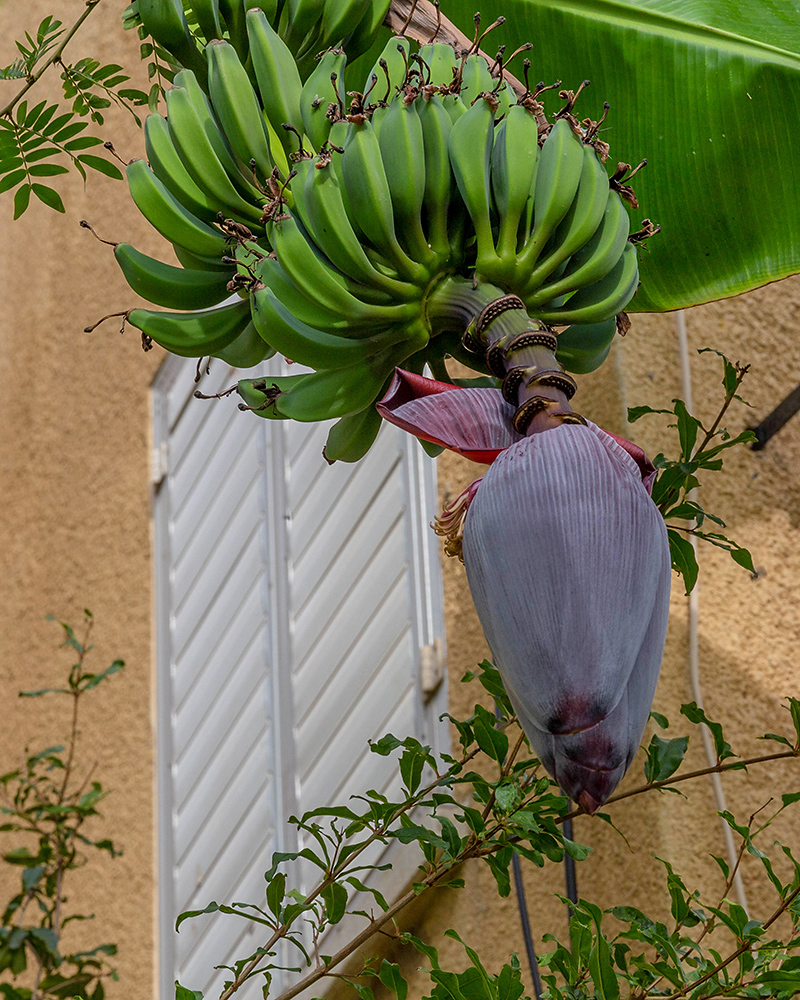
(519, 350)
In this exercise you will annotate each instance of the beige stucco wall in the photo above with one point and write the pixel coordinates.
(75, 527)
(76, 533)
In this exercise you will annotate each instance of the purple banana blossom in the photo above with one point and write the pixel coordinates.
(568, 563)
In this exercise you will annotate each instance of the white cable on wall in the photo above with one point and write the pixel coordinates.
(694, 632)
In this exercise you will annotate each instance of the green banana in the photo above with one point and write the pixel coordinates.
(470, 147)
(314, 277)
(163, 211)
(560, 167)
(250, 136)
(193, 334)
(475, 78)
(515, 161)
(436, 125)
(306, 310)
(581, 221)
(239, 174)
(340, 19)
(298, 19)
(200, 157)
(326, 395)
(318, 92)
(206, 13)
(194, 262)
(602, 300)
(278, 80)
(308, 345)
(233, 13)
(165, 22)
(351, 437)
(367, 187)
(247, 350)
(403, 153)
(169, 286)
(582, 349)
(395, 56)
(367, 28)
(441, 61)
(594, 259)
(257, 400)
(168, 167)
(334, 235)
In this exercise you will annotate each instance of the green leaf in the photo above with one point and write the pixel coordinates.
(12, 179)
(684, 560)
(335, 898)
(664, 757)
(101, 166)
(181, 993)
(720, 83)
(696, 714)
(391, 978)
(48, 196)
(412, 761)
(21, 200)
(276, 890)
(489, 739)
(188, 914)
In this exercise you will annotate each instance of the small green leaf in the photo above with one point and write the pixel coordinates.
(102, 166)
(664, 757)
(181, 993)
(21, 200)
(335, 898)
(276, 890)
(391, 978)
(696, 715)
(684, 561)
(48, 196)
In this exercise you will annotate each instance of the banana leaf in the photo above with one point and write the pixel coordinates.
(709, 92)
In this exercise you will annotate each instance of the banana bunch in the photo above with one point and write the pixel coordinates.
(321, 224)
(184, 27)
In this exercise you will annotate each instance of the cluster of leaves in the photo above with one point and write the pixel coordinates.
(677, 480)
(451, 814)
(35, 141)
(45, 802)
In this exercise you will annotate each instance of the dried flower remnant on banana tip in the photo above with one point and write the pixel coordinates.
(568, 565)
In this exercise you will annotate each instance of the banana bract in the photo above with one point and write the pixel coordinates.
(568, 565)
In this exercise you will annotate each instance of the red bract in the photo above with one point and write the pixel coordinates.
(568, 563)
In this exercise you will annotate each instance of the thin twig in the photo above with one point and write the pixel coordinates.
(717, 769)
(55, 57)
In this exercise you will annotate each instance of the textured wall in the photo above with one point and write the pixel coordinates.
(74, 473)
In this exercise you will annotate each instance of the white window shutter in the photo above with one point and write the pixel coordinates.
(298, 606)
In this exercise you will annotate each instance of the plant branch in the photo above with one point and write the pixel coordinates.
(666, 782)
(55, 57)
(784, 905)
(380, 833)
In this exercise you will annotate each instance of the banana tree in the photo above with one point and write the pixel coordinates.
(444, 204)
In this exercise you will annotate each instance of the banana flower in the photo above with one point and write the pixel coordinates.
(568, 564)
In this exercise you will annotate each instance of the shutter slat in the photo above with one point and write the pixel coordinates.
(225, 468)
(218, 588)
(351, 647)
(350, 576)
(209, 649)
(251, 737)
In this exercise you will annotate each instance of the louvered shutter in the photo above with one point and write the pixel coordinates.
(293, 599)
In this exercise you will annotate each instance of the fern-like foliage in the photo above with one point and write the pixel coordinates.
(33, 50)
(93, 87)
(31, 140)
